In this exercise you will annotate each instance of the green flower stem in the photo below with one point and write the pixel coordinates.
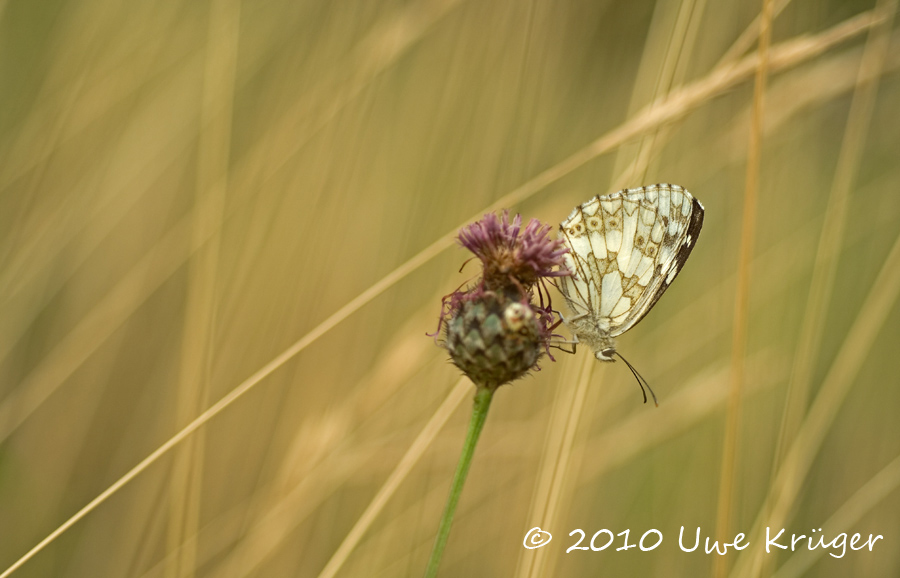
(483, 397)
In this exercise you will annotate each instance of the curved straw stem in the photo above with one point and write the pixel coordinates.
(742, 297)
(410, 458)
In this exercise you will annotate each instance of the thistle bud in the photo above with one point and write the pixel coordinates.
(494, 340)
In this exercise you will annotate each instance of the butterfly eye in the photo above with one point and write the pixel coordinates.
(603, 355)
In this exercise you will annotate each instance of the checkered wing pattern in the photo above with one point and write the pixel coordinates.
(625, 250)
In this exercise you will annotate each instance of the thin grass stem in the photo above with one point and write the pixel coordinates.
(742, 298)
(841, 376)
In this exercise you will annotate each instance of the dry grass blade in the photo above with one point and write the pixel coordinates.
(380, 49)
(751, 34)
(834, 224)
(185, 485)
(462, 389)
(742, 297)
(551, 491)
(319, 456)
(554, 473)
(832, 235)
(701, 397)
(869, 321)
(867, 497)
(122, 301)
(667, 51)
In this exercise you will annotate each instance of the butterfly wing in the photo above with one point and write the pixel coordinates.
(625, 250)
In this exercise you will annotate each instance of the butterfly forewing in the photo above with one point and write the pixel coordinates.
(625, 249)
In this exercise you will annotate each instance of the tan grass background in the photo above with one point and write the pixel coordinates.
(225, 228)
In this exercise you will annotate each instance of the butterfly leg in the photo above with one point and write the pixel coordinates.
(573, 343)
(574, 340)
(573, 318)
(561, 319)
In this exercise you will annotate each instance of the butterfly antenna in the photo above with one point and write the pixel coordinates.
(640, 379)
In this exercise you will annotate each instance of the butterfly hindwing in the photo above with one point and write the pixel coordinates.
(625, 250)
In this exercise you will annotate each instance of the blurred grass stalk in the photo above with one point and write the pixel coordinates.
(742, 292)
(825, 269)
(216, 112)
(781, 499)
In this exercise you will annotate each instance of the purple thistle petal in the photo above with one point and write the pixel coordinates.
(511, 255)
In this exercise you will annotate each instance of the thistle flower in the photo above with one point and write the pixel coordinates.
(510, 259)
(494, 333)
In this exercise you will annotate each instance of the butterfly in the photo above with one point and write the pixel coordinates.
(625, 249)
